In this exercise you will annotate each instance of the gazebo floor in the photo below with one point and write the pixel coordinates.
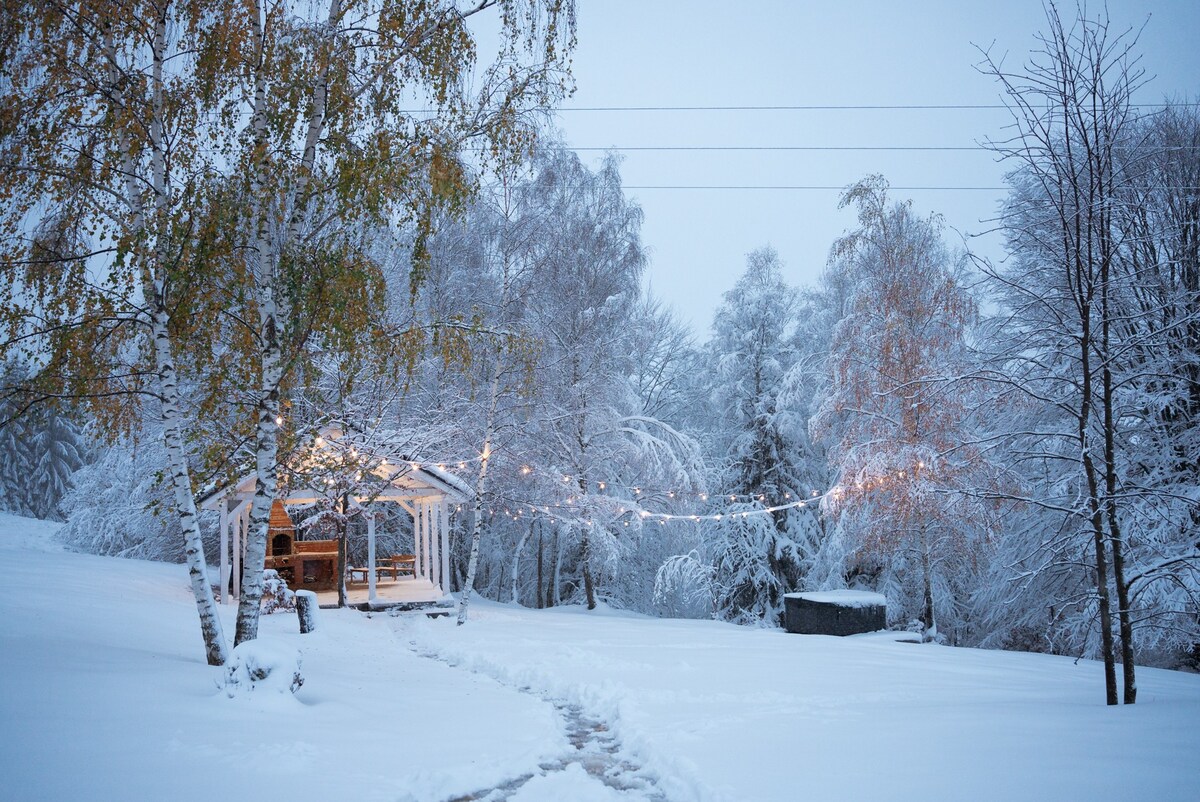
(407, 593)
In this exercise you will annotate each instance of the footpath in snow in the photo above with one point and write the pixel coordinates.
(717, 712)
(104, 695)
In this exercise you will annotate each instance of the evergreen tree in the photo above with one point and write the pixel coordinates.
(758, 559)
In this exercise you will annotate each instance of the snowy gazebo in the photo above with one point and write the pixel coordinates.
(425, 492)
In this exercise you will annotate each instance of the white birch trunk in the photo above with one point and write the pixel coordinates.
(516, 561)
(166, 378)
(271, 317)
(558, 560)
(480, 490)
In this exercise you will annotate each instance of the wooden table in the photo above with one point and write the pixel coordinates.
(380, 570)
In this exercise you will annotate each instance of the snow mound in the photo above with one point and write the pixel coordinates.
(17, 532)
(843, 598)
(263, 666)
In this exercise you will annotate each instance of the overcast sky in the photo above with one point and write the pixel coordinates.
(760, 53)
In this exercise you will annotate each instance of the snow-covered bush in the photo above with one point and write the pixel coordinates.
(119, 507)
(276, 595)
(113, 508)
(262, 666)
(685, 585)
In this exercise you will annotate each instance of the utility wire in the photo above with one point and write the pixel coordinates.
(786, 187)
(773, 147)
(706, 148)
(828, 107)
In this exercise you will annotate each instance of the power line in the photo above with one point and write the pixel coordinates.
(826, 107)
(933, 148)
(797, 187)
(633, 148)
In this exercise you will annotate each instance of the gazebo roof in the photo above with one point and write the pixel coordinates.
(405, 479)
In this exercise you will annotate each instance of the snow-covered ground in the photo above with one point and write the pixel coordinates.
(104, 695)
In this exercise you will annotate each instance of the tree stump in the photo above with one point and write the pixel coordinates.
(306, 610)
(835, 612)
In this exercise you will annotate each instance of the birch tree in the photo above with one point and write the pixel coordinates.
(894, 423)
(330, 136)
(102, 187)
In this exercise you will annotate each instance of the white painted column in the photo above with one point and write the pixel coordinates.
(429, 540)
(370, 555)
(238, 537)
(445, 546)
(434, 542)
(224, 550)
(417, 536)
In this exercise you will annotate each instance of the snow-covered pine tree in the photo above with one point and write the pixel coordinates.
(757, 556)
(16, 459)
(40, 448)
(57, 451)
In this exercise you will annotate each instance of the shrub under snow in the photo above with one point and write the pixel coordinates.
(262, 666)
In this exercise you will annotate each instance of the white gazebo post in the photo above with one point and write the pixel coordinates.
(429, 540)
(370, 514)
(239, 546)
(237, 557)
(417, 536)
(224, 550)
(434, 542)
(445, 583)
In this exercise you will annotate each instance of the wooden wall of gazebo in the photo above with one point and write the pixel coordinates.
(424, 493)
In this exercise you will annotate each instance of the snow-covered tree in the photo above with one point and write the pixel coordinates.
(758, 555)
(1076, 148)
(894, 415)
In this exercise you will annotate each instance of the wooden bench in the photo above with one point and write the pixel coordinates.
(404, 562)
